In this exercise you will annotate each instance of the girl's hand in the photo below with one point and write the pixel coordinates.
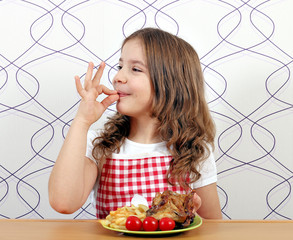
(196, 202)
(90, 110)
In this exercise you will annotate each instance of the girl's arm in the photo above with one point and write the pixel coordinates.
(73, 175)
(210, 204)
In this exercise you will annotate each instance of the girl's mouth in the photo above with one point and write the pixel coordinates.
(122, 94)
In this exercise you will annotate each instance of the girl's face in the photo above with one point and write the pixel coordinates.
(133, 82)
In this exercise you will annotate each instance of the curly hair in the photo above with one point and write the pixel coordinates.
(179, 104)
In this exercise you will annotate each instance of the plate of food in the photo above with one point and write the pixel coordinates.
(170, 213)
(195, 224)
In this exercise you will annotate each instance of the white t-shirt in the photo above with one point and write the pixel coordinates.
(132, 149)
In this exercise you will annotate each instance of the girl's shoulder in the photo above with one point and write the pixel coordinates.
(91, 135)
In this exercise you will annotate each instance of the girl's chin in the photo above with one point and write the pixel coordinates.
(125, 110)
(121, 109)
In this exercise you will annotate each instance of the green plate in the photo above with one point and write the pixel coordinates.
(197, 221)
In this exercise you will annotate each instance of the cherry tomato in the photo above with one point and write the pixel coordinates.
(150, 224)
(166, 224)
(133, 223)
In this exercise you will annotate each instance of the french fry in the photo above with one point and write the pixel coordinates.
(117, 219)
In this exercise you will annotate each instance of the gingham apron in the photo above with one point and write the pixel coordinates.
(122, 178)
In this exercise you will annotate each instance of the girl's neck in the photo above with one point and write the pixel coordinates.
(144, 130)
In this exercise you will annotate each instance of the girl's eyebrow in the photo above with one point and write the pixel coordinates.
(134, 61)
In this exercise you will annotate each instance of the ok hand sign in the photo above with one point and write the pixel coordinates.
(90, 110)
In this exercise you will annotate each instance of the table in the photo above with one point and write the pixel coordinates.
(91, 229)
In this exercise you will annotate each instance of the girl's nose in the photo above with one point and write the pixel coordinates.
(120, 77)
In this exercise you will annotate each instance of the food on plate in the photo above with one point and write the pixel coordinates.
(117, 219)
(169, 210)
(179, 207)
(150, 224)
(133, 223)
(166, 224)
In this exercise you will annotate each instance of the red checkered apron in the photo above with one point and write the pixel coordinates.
(122, 178)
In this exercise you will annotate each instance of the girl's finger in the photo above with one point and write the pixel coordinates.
(103, 89)
(109, 100)
(78, 85)
(88, 76)
(196, 202)
(98, 75)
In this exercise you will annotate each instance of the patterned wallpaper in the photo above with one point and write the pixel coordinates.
(246, 53)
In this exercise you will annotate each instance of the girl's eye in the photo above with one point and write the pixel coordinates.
(119, 68)
(136, 69)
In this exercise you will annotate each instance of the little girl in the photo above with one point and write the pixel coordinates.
(160, 138)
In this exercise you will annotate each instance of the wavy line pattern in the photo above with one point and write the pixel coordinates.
(245, 51)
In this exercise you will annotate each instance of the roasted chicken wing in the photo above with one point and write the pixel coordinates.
(179, 207)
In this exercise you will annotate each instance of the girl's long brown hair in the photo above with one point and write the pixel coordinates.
(179, 104)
